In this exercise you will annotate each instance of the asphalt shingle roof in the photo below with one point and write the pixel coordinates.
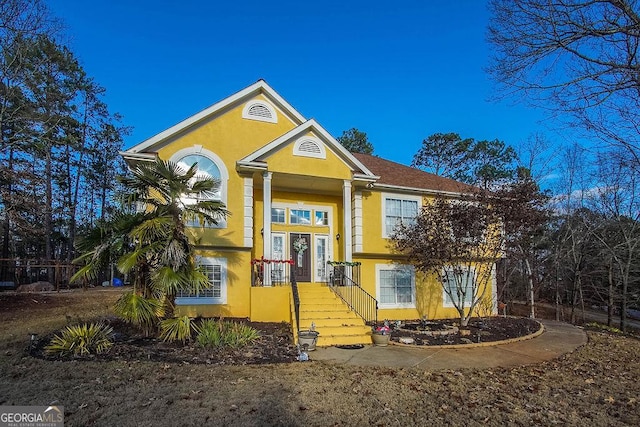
(392, 173)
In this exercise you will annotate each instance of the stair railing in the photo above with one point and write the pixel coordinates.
(296, 300)
(342, 283)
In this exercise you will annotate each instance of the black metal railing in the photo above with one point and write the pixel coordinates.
(296, 300)
(343, 284)
(266, 272)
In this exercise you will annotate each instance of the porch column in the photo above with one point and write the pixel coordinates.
(266, 215)
(347, 230)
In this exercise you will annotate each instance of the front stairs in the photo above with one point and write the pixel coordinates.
(336, 323)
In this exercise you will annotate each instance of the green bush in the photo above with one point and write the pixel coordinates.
(209, 334)
(212, 334)
(141, 311)
(92, 338)
(176, 329)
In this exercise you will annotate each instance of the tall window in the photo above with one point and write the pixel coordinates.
(322, 251)
(459, 286)
(396, 286)
(398, 211)
(216, 292)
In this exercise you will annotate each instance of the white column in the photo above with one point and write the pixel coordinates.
(266, 221)
(347, 214)
(248, 212)
(266, 218)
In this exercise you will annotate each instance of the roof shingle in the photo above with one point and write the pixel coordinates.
(396, 174)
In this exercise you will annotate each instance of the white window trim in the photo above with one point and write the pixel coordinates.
(222, 262)
(224, 173)
(447, 304)
(268, 106)
(296, 148)
(317, 237)
(379, 268)
(397, 196)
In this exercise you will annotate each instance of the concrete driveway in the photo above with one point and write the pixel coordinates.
(557, 339)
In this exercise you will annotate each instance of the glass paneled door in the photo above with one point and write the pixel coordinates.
(300, 250)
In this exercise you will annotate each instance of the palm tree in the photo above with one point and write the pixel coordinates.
(159, 257)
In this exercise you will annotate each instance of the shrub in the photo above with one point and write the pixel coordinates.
(141, 311)
(78, 340)
(213, 334)
(176, 329)
(210, 334)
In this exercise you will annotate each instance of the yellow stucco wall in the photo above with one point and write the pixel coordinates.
(238, 287)
(428, 292)
(231, 138)
(286, 162)
(271, 304)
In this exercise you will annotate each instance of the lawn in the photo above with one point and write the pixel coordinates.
(599, 384)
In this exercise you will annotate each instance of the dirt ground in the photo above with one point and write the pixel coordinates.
(596, 385)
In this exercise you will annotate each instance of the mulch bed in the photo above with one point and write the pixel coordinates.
(275, 344)
(480, 330)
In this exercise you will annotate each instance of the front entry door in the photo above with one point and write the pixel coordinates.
(300, 246)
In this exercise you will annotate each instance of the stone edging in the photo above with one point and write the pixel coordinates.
(539, 332)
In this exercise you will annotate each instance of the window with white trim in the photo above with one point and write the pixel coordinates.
(459, 285)
(300, 216)
(395, 286)
(278, 215)
(209, 166)
(322, 217)
(260, 110)
(216, 293)
(399, 210)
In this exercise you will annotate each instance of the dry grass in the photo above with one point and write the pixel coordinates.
(596, 385)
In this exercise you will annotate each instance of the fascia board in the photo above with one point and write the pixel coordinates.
(389, 187)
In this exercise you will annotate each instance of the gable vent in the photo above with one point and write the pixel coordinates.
(259, 110)
(309, 147)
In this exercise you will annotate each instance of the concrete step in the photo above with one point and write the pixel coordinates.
(329, 340)
(343, 330)
(305, 322)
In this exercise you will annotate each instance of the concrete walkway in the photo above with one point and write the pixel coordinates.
(557, 339)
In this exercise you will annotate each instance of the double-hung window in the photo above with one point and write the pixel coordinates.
(395, 286)
(459, 285)
(216, 293)
(399, 210)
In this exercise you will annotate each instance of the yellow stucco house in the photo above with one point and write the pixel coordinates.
(302, 207)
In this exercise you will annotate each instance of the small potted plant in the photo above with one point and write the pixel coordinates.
(380, 335)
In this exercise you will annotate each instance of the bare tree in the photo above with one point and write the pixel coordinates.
(576, 57)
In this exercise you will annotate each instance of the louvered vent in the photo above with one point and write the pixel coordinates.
(259, 110)
(309, 147)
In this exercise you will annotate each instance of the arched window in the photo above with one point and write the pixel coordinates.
(209, 166)
(207, 169)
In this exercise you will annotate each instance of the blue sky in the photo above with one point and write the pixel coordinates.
(399, 71)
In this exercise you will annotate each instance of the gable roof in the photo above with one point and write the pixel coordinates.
(259, 87)
(397, 176)
(310, 125)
